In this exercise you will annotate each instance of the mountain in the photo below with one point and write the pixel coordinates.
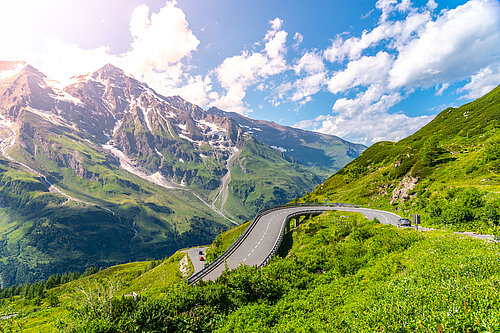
(103, 170)
(325, 153)
(448, 171)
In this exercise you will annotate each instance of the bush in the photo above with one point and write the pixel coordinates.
(492, 151)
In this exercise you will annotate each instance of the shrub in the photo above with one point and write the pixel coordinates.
(492, 151)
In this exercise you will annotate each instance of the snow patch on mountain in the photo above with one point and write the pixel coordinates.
(185, 137)
(128, 165)
(49, 116)
(251, 128)
(213, 127)
(281, 149)
(12, 70)
(63, 96)
(5, 122)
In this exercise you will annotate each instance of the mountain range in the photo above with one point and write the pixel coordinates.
(103, 169)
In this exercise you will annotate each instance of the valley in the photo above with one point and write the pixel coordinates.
(156, 173)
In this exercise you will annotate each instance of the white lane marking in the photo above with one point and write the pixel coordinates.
(272, 219)
(263, 235)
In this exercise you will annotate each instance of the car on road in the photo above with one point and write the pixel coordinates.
(202, 258)
(404, 222)
(200, 253)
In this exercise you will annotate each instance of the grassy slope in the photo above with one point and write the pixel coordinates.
(148, 279)
(343, 274)
(42, 234)
(463, 136)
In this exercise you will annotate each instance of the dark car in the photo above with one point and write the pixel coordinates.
(404, 222)
(200, 253)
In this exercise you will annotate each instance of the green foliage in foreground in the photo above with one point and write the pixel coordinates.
(54, 309)
(342, 274)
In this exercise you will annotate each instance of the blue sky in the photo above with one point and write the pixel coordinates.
(362, 70)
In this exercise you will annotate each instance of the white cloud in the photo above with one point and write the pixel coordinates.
(298, 38)
(275, 40)
(389, 6)
(311, 72)
(236, 74)
(459, 43)
(431, 4)
(61, 58)
(399, 31)
(20, 33)
(364, 119)
(386, 6)
(362, 72)
(308, 86)
(442, 88)
(374, 100)
(160, 40)
(483, 82)
(276, 24)
(310, 63)
(372, 128)
(196, 90)
(275, 46)
(242, 69)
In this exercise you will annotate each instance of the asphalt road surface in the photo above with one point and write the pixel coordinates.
(195, 257)
(255, 248)
(261, 240)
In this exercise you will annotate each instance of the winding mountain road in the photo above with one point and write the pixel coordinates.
(261, 238)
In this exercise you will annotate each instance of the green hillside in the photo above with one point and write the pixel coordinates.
(262, 178)
(114, 216)
(342, 273)
(448, 171)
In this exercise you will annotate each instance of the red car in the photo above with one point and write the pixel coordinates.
(202, 258)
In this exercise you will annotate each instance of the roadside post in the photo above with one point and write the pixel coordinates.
(416, 220)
